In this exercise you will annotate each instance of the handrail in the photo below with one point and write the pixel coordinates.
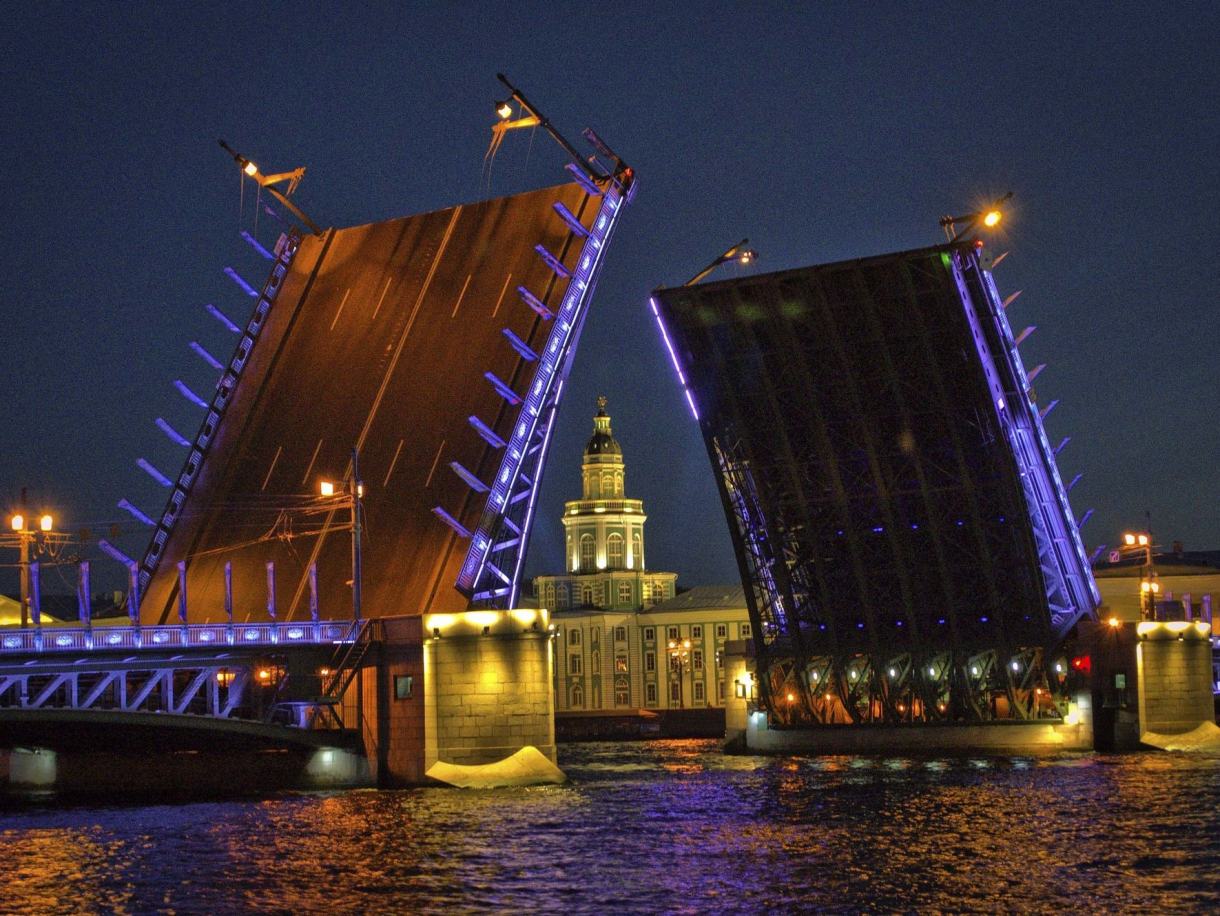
(46, 640)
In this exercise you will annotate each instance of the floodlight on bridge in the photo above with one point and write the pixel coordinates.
(988, 216)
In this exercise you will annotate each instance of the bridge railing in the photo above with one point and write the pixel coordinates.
(46, 640)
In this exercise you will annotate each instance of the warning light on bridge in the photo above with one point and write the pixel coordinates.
(1083, 664)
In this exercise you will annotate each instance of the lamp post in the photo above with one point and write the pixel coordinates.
(679, 653)
(1149, 587)
(26, 537)
(989, 217)
(739, 253)
(354, 488)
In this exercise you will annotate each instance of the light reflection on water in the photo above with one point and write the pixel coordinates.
(670, 827)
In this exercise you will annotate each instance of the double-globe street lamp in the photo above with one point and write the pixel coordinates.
(24, 538)
(679, 656)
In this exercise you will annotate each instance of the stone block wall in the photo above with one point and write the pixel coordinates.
(492, 696)
(1175, 678)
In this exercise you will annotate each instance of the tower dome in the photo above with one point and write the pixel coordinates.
(602, 441)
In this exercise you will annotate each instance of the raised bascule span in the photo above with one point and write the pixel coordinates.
(905, 539)
(437, 346)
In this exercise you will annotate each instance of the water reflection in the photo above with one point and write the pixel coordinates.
(670, 827)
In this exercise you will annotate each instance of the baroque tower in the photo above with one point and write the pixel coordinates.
(604, 537)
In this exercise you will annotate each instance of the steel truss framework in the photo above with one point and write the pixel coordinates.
(250, 673)
(894, 503)
(491, 572)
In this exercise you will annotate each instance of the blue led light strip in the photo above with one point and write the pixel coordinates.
(514, 489)
(287, 250)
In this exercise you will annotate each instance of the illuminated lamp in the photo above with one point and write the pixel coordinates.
(1114, 622)
(991, 219)
(18, 522)
(45, 523)
(326, 488)
(504, 110)
(250, 169)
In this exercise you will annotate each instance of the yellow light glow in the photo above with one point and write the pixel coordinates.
(992, 218)
(747, 257)
(326, 488)
(482, 618)
(1114, 622)
(45, 523)
(1143, 540)
(1130, 539)
(324, 672)
(1203, 627)
(251, 169)
(1071, 719)
(18, 522)
(440, 621)
(264, 674)
(524, 616)
(504, 110)
(1145, 586)
(1156, 587)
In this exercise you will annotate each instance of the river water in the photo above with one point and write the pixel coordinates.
(656, 827)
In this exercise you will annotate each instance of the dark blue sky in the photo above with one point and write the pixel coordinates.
(822, 132)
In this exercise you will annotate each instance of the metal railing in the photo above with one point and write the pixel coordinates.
(46, 640)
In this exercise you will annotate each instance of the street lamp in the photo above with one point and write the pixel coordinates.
(1141, 545)
(739, 253)
(353, 493)
(988, 216)
(679, 654)
(26, 536)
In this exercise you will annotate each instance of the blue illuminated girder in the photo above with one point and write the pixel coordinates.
(491, 573)
(220, 401)
(1071, 591)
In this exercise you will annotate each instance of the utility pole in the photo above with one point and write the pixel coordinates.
(357, 491)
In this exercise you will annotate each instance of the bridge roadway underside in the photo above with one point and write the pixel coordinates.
(380, 337)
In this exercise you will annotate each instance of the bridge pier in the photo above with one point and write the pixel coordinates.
(468, 688)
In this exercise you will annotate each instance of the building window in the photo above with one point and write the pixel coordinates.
(614, 551)
(649, 634)
(745, 630)
(650, 694)
(595, 662)
(720, 691)
(588, 552)
(696, 632)
(586, 595)
(574, 666)
(595, 635)
(673, 632)
(561, 596)
(637, 550)
(578, 696)
(404, 686)
(650, 661)
(624, 593)
(620, 664)
(675, 662)
(675, 692)
(622, 694)
(620, 634)
(696, 659)
(573, 637)
(658, 591)
(722, 630)
(699, 691)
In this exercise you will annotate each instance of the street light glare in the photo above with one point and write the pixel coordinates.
(18, 522)
(504, 110)
(1130, 539)
(992, 218)
(250, 169)
(1143, 540)
(326, 488)
(45, 523)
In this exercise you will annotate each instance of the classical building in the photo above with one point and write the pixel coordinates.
(623, 641)
(604, 538)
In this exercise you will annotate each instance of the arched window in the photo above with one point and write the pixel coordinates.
(620, 634)
(637, 550)
(618, 485)
(578, 696)
(614, 551)
(587, 552)
(607, 485)
(571, 555)
(561, 596)
(595, 662)
(622, 693)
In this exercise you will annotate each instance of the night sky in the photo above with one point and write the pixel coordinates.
(821, 132)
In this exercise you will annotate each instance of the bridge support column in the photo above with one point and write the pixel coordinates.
(468, 688)
(1174, 660)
